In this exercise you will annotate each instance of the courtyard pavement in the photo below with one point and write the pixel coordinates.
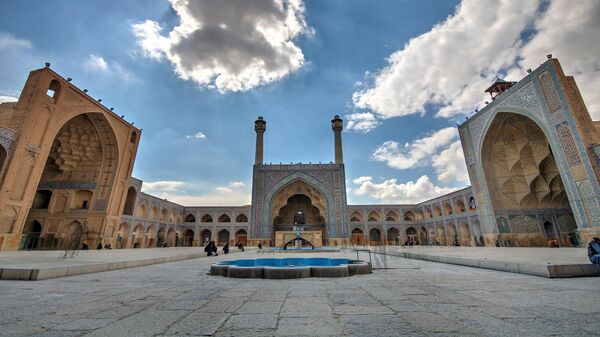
(547, 262)
(411, 298)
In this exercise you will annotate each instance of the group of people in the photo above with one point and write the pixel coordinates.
(211, 248)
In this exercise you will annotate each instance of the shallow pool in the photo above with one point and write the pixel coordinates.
(287, 262)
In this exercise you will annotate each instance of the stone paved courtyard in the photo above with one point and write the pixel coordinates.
(412, 298)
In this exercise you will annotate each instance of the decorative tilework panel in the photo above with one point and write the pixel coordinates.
(568, 144)
(502, 223)
(60, 185)
(523, 224)
(550, 94)
(589, 202)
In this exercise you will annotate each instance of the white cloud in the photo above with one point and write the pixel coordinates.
(450, 66)
(236, 184)
(161, 186)
(5, 99)
(450, 164)
(234, 194)
(570, 30)
(389, 191)
(229, 45)
(197, 135)
(417, 153)
(95, 63)
(361, 122)
(9, 41)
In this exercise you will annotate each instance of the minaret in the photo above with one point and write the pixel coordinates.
(260, 126)
(337, 126)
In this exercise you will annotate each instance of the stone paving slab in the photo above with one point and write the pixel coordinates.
(41, 265)
(180, 299)
(546, 262)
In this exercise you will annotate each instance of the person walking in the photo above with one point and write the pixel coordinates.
(226, 248)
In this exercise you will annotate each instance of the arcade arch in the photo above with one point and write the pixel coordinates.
(188, 238)
(391, 216)
(356, 217)
(205, 236)
(393, 236)
(223, 237)
(241, 236)
(358, 237)
(373, 216)
(130, 201)
(375, 237)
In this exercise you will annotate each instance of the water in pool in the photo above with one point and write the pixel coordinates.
(287, 262)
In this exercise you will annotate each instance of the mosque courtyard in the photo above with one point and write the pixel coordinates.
(407, 298)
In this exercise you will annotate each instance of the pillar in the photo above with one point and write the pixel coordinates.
(260, 126)
(337, 126)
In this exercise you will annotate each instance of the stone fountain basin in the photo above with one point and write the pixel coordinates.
(290, 268)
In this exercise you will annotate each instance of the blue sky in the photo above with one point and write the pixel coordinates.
(352, 58)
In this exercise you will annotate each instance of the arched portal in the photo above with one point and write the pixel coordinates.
(223, 237)
(241, 218)
(130, 201)
(355, 217)
(465, 234)
(188, 238)
(375, 238)
(451, 237)
(138, 236)
(299, 204)
(161, 237)
(171, 237)
(82, 161)
(550, 231)
(478, 234)
(441, 235)
(241, 236)
(32, 231)
(73, 236)
(393, 236)
(224, 218)
(205, 236)
(411, 236)
(3, 159)
(358, 237)
(423, 238)
(151, 237)
(522, 176)
(122, 236)
(391, 216)
(410, 216)
(190, 218)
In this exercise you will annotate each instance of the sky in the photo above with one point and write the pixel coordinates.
(194, 75)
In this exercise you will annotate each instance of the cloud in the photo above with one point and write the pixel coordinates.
(417, 153)
(450, 164)
(95, 63)
(237, 184)
(9, 41)
(234, 194)
(389, 191)
(448, 67)
(229, 45)
(161, 186)
(197, 135)
(570, 30)
(6, 99)
(361, 122)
